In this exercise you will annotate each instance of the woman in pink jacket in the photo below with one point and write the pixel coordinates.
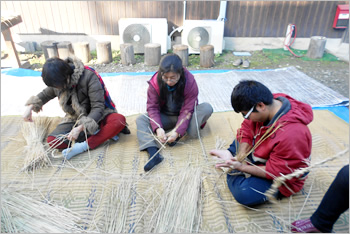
(172, 97)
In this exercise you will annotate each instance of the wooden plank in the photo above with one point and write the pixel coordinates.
(100, 18)
(85, 17)
(93, 17)
(26, 17)
(282, 14)
(114, 18)
(11, 49)
(128, 9)
(50, 20)
(107, 5)
(81, 25)
(269, 30)
(32, 10)
(64, 17)
(10, 22)
(12, 10)
(71, 12)
(245, 10)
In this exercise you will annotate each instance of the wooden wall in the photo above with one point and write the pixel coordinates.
(244, 18)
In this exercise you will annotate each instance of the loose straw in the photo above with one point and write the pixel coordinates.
(279, 181)
(24, 214)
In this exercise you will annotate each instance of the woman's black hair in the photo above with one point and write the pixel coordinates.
(56, 73)
(171, 63)
(248, 93)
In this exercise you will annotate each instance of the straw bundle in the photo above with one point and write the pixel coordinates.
(20, 213)
(34, 134)
(179, 209)
(117, 209)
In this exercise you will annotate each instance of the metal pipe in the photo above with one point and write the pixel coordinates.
(184, 17)
(222, 14)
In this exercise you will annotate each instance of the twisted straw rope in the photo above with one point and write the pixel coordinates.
(277, 182)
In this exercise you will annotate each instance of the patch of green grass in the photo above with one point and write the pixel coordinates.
(93, 54)
(193, 60)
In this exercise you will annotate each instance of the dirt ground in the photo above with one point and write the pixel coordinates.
(334, 73)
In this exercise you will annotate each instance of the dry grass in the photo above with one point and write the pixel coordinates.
(35, 152)
(24, 214)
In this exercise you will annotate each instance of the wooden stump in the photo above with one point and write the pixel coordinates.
(49, 48)
(104, 52)
(182, 52)
(152, 54)
(127, 54)
(65, 49)
(82, 51)
(316, 47)
(206, 56)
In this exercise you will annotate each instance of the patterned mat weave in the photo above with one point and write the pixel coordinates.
(109, 190)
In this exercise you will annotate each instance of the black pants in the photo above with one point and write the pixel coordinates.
(334, 202)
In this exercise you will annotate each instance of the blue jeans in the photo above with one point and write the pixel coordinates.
(334, 202)
(248, 191)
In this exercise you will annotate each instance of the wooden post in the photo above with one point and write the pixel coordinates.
(64, 49)
(11, 49)
(182, 52)
(127, 54)
(206, 58)
(316, 47)
(49, 48)
(152, 54)
(9, 20)
(104, 52)
(82, 51)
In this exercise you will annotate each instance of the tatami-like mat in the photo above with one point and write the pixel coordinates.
(129, 92)
(110, 191)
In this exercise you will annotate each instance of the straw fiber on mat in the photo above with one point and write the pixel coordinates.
(110, 191)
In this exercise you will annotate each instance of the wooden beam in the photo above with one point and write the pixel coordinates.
(11, 49)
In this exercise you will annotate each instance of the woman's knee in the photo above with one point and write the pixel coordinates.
(141, 120)
(206, 108)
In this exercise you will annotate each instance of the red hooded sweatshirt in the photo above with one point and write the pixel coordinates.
(288, 149)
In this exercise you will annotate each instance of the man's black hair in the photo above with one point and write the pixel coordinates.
(56, 73)
(248, 93)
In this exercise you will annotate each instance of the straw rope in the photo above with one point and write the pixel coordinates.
(279, 181)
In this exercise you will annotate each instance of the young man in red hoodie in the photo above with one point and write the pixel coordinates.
(283, 152)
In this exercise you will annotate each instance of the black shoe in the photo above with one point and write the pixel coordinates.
(125, 130)
(153, 162)
(174, 142)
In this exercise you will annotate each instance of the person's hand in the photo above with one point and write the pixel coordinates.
(224, 156)
(74, 133)
(27, 116)
(161, 135)
(172, 136)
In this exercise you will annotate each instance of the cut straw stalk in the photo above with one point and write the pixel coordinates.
(34, 134)
(117, 208)
(179, 209)
(24, 214)
(279, 181)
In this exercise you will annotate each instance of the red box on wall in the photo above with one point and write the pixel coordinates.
(341, 19)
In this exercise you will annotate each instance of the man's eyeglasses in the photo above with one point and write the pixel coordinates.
(249, 112)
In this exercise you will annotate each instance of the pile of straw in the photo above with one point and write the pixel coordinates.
(34, 133)
(20, 213)
(179, 209)
(116, 212)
